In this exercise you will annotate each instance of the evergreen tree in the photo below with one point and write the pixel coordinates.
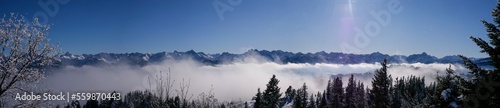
(91, 104)
(294, 94)
(446, 92)
(360, 101)
(143, 99)
(110, 103)
(408, 92)
(432, 97)
(338, 94)
(318, 99)
(368, 100)
(68, 106)
(379, 94)
(185, 104)
(193, 104)
(246, 104)
(74, 104)
(323, 103)
(176, 102)
(300, 100)
(397, 91)
(312, 102)
(223, 106)
(329, 92)
(414, 91)
(258, 100)
(272, 93)
(482, 90)
(350, 91)
(289, 94)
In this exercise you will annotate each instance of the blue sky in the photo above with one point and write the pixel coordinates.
(438, 27)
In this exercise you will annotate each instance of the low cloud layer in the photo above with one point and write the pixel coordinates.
(230, 81)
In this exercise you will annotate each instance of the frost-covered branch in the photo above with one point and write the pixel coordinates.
(24, 51)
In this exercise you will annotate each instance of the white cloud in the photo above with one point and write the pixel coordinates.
(230, 81)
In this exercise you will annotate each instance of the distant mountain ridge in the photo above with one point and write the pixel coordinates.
(278, 56)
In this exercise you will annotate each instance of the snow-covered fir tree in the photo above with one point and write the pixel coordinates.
(337, 99)
(271, 96)
(300, 100)
(483, 90)
(379, 94)
(350, 90)
(258, 100)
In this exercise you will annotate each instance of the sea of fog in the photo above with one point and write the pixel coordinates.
(230, 82)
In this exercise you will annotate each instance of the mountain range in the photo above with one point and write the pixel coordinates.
(278, 56)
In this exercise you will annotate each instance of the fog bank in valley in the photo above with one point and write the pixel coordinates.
(234, 81)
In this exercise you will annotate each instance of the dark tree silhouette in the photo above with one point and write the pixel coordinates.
(337, 100)
(482, 90)
(300, 100)
(272, 93)
(258, 100)
(350, 91)
(379, 94)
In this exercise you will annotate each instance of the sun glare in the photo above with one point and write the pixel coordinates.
(350, 8)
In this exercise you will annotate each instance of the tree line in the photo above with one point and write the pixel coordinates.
(385, 92)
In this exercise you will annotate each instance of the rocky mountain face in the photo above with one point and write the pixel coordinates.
(278, 56)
